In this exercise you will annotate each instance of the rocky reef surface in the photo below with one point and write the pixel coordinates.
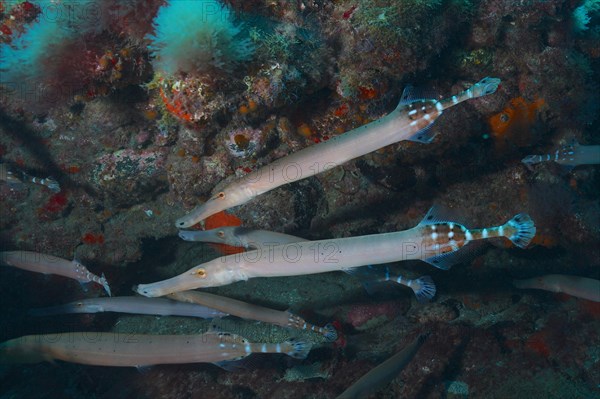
(134, 148)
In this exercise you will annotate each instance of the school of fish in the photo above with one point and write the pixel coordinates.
(438, 240)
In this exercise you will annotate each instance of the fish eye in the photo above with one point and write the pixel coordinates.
(200, 273)
(79, 303)
(221, 195)
(221, 233)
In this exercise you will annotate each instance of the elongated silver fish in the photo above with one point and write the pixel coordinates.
(133, 305)
(437, 241)
(383, 374)
(423, 287)
(48, 264)
(569, 156)
(580, 287)
(409, 121)
(135, 350)
(9, 176)
(254, 312)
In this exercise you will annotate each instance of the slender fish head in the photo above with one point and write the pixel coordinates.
(211, 274)
(222, 235)
(232, 195)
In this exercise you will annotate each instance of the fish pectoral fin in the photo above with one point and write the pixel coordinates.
(463, 255)
(440, 214)
(566, 169)
(424, 136)
(143, 369)
(237, 364)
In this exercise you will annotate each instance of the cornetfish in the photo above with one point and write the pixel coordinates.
(568, 156)
(253, 312)
(434, 240)
(48, 264)
(383, 374)
(409, 121)
(237, 236)
(131, 304)
(581, 287)
(135, 350)
(7, 175)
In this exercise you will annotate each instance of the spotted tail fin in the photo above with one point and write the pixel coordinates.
(424, 288)
(330, 332)
(521, 230)
(484, 87)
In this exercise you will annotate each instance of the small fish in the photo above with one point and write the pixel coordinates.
(9, 176)
(48, 182)
(580, 287)
(138, 350)
(48, 264)
(569, 156)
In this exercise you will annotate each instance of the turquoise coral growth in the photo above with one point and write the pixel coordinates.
(581, 15)
(196, 36)
(31, 54)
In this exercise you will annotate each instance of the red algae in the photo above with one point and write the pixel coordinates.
(91, 238)
(537, 342)
(512, 124)
(223, 219)
(53, 207)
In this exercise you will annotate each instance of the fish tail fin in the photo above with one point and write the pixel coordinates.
(424, 288)
(531, 160)
(521, 230)
(52, 184)
(484, 87)
(298, 349)
(105, 284)
(330, 333)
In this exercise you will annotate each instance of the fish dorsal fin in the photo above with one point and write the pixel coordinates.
(408, 95)
(412, 94)
(439, 214)
(465, 254)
